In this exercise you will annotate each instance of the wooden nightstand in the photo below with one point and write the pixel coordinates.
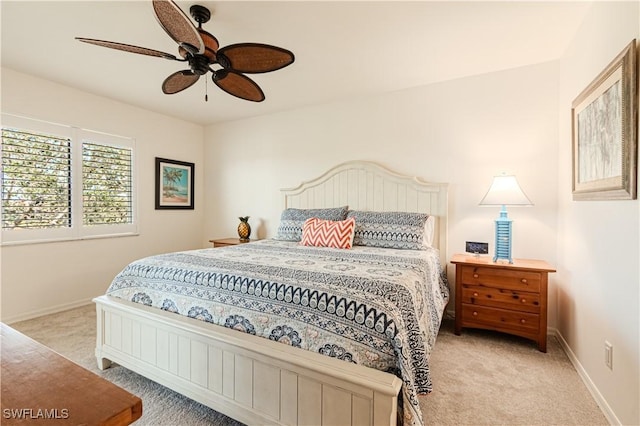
(222, 242)
(511, 298)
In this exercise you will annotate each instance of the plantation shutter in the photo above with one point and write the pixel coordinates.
(36, 180)
(106, 184)
(62, 183)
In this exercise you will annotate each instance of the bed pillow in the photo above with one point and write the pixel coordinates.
(398, 230)
(291, 220)
(328, 233)
(429, 231)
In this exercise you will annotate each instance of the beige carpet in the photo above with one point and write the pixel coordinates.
(479, 378)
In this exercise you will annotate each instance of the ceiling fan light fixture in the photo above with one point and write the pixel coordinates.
(202, 50)
(199, 64)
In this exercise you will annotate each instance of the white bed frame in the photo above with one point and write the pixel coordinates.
(255, 380)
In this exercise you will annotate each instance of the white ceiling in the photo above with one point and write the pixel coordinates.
(343, 49)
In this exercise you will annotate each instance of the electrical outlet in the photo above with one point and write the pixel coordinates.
(608, 355)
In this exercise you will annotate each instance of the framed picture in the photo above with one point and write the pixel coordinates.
(174, 184)
(604, 132)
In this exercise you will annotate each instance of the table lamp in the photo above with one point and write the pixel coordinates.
(504, 191)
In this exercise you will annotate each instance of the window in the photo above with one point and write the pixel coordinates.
(106, 184)
(60, 182)
(36, 180)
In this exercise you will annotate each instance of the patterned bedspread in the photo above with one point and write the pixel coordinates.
(380, 308)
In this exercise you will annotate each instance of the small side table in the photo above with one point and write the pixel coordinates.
(510, 298)
(223, 242)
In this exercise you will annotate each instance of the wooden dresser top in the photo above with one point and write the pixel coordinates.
(531, 264)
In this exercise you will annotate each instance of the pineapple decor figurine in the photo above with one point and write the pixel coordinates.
(244, 230)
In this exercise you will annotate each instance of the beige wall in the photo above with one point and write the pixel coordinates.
(599, 242)
(463, 132)
(41, 278)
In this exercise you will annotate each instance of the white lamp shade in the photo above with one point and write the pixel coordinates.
(505, 191)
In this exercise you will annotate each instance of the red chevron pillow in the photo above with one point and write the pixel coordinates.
(328, 233)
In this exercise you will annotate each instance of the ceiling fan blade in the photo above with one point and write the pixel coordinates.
(211, 45)
(128, 48)
(174, 21)
(254, 57)
(238, 85)
(178, 81)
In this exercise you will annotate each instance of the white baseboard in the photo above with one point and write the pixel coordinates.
(47, 311)
(593, 389)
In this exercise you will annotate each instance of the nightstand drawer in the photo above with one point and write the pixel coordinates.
(502, 278)
(500, 298)
(500, 318)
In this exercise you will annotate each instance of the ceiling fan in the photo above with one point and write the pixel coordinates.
(201, 51)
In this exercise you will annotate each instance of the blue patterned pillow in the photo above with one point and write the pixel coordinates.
(398, 230)
(291, 220)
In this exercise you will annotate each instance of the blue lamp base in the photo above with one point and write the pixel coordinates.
(503, 237)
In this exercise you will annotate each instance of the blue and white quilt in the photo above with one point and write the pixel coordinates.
(376, 307)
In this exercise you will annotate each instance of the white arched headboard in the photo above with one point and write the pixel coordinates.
(364, 185)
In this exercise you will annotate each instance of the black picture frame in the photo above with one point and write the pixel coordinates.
(174, 184)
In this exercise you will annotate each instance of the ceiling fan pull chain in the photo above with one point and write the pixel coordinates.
(206, 90)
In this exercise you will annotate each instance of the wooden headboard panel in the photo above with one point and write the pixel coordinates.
(364, 185)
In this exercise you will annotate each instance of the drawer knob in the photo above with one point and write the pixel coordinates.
(475, 275)
(475, 313)
(523, 321)
(475, 294)
(524, 300)
(524, 280)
